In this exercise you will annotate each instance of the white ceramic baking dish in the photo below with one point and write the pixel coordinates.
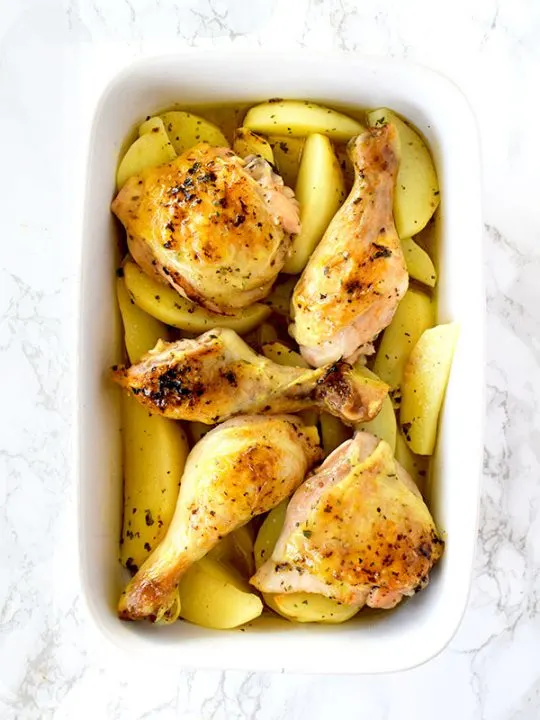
(420, 628)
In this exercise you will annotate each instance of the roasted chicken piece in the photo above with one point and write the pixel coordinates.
(357, 531)
(217, 228)
(357, 275)
(217, 376)
(238, 470)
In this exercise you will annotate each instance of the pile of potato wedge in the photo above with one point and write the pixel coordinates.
(306, 144)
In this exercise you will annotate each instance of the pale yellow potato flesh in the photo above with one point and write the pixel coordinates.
(416, 465)
(215, 595)
(383, 425)
(424, 384)
(246, 142)
(298, 118)
(415, 313)
(197, 430)
(419, 265)
(236, 549)
(154, 449)
(320, 190)
(299, 607)
(186, 130)
(416, 194)
(333, 433)
(152, 148)
(279, 300)
(165, 304)
(287, 155)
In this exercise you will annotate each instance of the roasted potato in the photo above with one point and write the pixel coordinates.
(417, 189)
(416, 465)
(246, 142)
(415, 313)
(419, 264)
(279, 299)
(300, 607)
(320, 190)
(154, 450)
(333, 432)
(215, 595)
(167, 305)
(383, 425)
(236, 549)
(287, 155)
(298, 118)
(186, 130)
(424, 383)
(151, 148)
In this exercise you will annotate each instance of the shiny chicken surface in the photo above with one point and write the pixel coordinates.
(237, 471)
(217, 376)
(357, 531)
(216, 227)
(357, 275)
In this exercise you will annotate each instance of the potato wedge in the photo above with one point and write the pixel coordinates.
(167, 305)
(299, 118)
(215, 595)
(419, 264)
(154, 449)
(246, 142)
(236, 549)
(186, 130)
(417, 189)
(416, 465)
(333, 433)
(279, 300)
(424, 383)
(320, 190)
(287, 155)
(151, 148)
(383, 425)
(415, 313)
(197, 430)
(299, 607)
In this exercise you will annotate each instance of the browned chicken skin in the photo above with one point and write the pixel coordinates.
(357, 275)
(357, 531)
(207, 226)
(217, 376)
(238, 470)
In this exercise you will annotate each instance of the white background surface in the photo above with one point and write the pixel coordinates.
(51, 662)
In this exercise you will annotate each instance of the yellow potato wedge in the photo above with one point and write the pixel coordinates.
(416, 465)
(236, 549)
(383, 425)
(287, 155)
(298, 607)
(279, 300)
(415, 313)
(416, 195)
(215, 595)
(346, 165)
(419, 264)
(320, 190)
(333, 432)
(186, 130)
(424, 383)
(154, 449)
(197, 430)
(151, 148)
(167, 305)
(282, 355)
(266, 333)
(299, 118)
(246, 142)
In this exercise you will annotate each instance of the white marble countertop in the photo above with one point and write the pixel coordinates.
(51, 662)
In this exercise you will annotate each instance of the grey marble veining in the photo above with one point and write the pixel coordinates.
(52, 664)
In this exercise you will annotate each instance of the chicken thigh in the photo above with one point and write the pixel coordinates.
(217, 376)
(238, 470)
(357, 275)
(216, 227)
(356, 531)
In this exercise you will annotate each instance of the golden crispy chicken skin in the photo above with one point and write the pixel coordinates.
(217, 376)
(240, 469)
(357, 275)
(204, 224)
(357, 531)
